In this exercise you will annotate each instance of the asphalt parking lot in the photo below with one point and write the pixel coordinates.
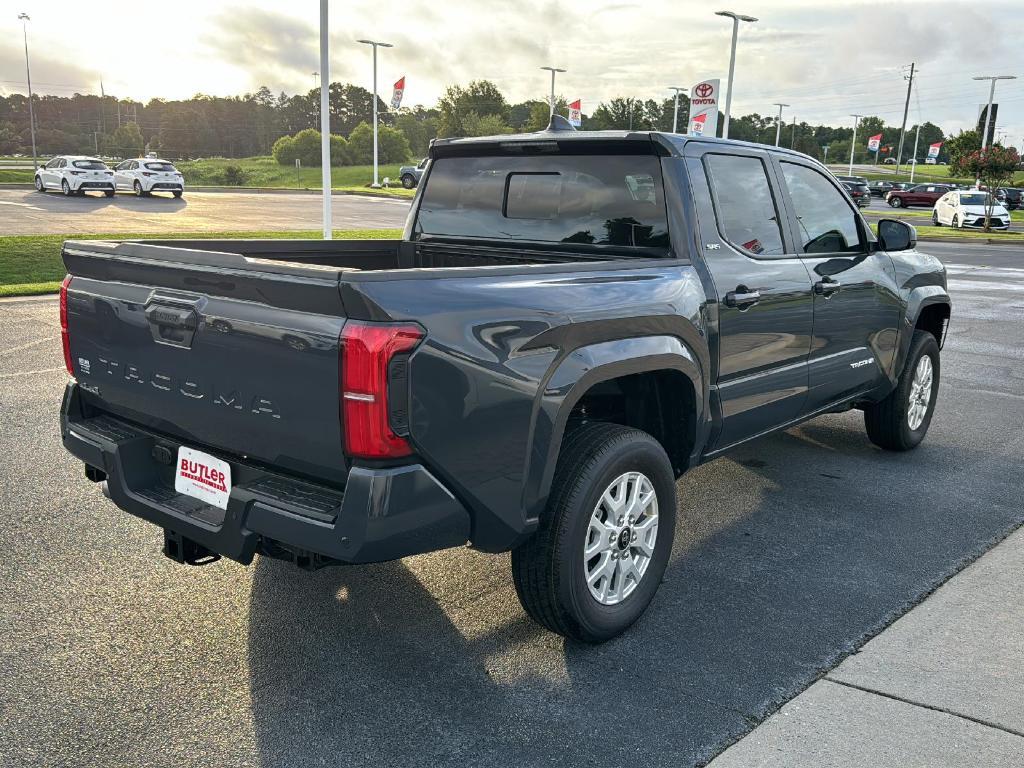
(27, 212)
(789, 554)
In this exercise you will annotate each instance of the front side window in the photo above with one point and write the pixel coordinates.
(747, 216)
(55, 163)
(586, 199)
(827, 223)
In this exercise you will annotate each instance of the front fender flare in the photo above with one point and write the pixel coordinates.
(577, 372)
(920, 297)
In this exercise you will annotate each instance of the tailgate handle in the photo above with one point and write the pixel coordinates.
(172, 324)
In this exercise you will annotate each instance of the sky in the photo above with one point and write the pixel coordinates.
(826, 59)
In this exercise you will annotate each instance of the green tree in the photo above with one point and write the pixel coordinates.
(305, 147)
(484, 125)
(9, 140)
(392, 146)
(993, 167)
(961, 145)
(481, 97)
(625, 114)
(126, 141)
(419, 128)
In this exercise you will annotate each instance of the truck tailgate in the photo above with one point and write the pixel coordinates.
(220, 352)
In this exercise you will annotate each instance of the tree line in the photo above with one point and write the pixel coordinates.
(252, 124)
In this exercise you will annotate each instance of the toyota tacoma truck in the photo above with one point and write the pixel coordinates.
(570, 321)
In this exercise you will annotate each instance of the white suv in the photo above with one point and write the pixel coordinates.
(146, 175)
(75, 175)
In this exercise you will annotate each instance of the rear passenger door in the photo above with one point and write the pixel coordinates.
(761, 322)
(856, 303)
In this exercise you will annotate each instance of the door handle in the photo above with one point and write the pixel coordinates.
(742, 297)
(826, 287)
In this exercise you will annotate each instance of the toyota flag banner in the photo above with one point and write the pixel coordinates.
(874, 142)
(576, 114)
(396, 96)
(933, 150)
(704, 108)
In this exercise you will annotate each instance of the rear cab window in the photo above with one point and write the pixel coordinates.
(601, 200)
(747, 215)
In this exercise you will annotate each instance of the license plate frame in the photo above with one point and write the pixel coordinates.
(202, 476)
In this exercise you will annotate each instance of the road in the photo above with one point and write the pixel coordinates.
(26, 212)
(789, 554)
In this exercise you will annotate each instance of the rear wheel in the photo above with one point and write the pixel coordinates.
(177, 193)
(65, 188)
(604, 541)
(901, 420)
(138, 189)
(108, 192)
(408, 181)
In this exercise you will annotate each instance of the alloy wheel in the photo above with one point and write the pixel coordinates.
(920, 393)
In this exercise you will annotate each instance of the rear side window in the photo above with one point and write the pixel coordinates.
(827, 223)
(747, 216)
(89, 165)
(159, 167)
(587, 199)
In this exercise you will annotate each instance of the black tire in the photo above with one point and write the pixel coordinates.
(65, 188)
(39, 185)
(549, 568)
(935, 219)
(177, 193)
(108, 192)
(138, 189)
(955, 223)
(887, 422)
(896, 202)
(408, 181)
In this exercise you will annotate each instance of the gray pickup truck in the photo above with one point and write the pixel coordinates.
(570, 322)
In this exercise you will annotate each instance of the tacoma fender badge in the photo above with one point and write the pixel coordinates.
(860, 363)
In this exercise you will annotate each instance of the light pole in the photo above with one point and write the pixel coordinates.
(824, 150)
(24, 19)
(376, 44)
(991, 95)
(553, 70)
(675, 108)
(853, 141)
(736, 19)
(325, 122)
(778, 123)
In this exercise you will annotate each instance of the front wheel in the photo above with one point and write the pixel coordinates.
(39, 185)
(901, 420)
(896, 202)
(935, 219)
(408, 181)
(605, 537)
(956, 222)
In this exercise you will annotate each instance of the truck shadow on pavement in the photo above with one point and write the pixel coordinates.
(785, 560)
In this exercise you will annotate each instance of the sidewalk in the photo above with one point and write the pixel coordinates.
(943, 687)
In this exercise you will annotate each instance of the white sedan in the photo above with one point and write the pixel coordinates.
(75, 175)
(966, 208)
(147, 175)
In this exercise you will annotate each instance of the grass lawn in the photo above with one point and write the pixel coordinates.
(31, 264)
(262, 172)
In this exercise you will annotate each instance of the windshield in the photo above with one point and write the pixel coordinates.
(160, 167)
(600, 200)
(90, 165)
(976, 198)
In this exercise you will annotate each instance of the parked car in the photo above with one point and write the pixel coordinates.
(879, 188)
(921, 194)
(146, 175)
(889, 161)
(860, 193)
(529, 373)
(961, 209)
(853, 179)
(1010, 197)
(75, 175)
(410, 175)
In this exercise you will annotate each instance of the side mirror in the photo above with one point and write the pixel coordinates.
(895, 235)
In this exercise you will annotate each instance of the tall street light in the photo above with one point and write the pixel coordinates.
(24, 19)
(778, 123)
(553, 70)
(853, 141)
(675, 108)
(376, 44)
(325, 122)
(736, 19)
(991, 95)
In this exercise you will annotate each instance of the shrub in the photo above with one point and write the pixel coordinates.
(284, 150)
(305, 147)
(233, 176)
(392, 146)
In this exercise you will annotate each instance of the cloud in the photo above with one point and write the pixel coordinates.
(49, 75)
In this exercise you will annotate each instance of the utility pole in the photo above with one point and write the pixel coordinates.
(778, 123)
(853, 141)
(906, 109)
(325, 122)
(376, 44)
(675, 108)
(553, 70)
(736, 19)
(24, 18)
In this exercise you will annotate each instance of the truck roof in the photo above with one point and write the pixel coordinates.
(670, 143)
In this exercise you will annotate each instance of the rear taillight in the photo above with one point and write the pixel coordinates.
(65, 339)
(146, 174)
(374, 387)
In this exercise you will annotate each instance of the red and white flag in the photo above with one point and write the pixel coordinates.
(396, 95)
(874, 142)
(933, 149)
(697, 124)
(576, 114)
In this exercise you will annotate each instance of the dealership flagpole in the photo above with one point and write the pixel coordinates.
(325, 121)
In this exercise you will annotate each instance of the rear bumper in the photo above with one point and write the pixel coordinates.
(382, 514)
